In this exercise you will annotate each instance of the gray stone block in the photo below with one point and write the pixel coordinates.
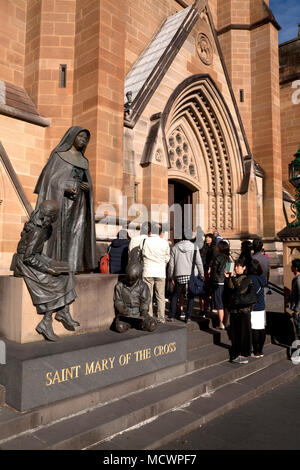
(41, 373)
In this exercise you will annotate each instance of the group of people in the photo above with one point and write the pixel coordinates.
(234, 290)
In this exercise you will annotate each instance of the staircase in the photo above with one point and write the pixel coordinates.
(149, 411)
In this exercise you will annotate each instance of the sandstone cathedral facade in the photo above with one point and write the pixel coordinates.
(186, 102)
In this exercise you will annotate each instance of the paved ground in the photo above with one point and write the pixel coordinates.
(270, 422)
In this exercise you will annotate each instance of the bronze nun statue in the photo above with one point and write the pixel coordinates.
(66, 179)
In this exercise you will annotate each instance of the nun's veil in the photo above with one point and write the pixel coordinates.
(68, 139)
(64, 145)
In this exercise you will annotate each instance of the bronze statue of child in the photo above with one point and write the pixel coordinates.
(131, 301)
(50, 283)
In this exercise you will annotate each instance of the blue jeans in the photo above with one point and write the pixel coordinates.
(176, 294)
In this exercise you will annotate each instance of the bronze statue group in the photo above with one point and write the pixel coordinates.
(59, 241)
(59, 238)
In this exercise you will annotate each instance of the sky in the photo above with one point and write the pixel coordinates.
(287, 13)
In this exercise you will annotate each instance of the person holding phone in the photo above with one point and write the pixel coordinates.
(242, 298)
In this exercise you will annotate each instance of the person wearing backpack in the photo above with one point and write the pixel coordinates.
(242, 298)
(258, 314)
(184, 257)
(118, 253)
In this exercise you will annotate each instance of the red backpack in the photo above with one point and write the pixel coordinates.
(104, 264)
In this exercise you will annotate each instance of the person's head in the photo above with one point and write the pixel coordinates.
(223, 248)
(48, 213)
(145, 228)
(257, 245)
(255, 268)
(246, 246)
(133, 272)
(216, 233)
(81, 140)
(210, 239)
(187, 234)
(296, 266)
(123, 234)
(240, 266)
(156, 229)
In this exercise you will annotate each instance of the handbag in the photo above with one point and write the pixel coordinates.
(196, 284)
(104, 264)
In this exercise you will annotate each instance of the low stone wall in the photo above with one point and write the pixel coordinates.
(93, 307)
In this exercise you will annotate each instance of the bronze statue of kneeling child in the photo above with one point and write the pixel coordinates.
(50, 283)
(131, 301)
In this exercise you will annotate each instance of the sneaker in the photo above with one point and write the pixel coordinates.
(243, 360)
(188, 320)
(240, 360)
(257, 356)
(170, 319)
(236, 360)
(221, 327)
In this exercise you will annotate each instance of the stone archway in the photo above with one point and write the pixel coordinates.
(204, 150)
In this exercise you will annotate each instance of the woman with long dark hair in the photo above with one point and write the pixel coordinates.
(217, 277)
(246, 253)
(207, 254)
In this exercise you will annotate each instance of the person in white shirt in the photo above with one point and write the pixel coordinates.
(156, 255)
(135, 243)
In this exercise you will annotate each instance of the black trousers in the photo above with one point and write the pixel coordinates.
(179, 288)
(240, 329)
(258, 340)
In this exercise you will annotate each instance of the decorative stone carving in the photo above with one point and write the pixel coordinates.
(204, 48)
(158, 155)
(180, 154)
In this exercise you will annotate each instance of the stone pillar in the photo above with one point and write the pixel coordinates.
(266, 122)
(50, 38)
(290, 236)
(99, 91)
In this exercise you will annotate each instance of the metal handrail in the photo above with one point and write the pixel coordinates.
(277, 289)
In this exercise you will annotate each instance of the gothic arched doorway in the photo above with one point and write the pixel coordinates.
(204, 151)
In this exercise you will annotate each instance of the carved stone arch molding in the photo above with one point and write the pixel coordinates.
(204, 148)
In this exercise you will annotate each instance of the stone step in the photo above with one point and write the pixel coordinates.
(101, 422)
(13, 422)
(182, 420)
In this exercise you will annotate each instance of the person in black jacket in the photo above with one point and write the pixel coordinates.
(207, 253)
(217, 277)
(240, 286)
(295, 295)
(118, 253)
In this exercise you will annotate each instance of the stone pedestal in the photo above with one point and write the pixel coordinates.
(290, 236)
(40, 373)
(93, 307)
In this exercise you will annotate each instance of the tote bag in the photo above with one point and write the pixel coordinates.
(196, 284)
